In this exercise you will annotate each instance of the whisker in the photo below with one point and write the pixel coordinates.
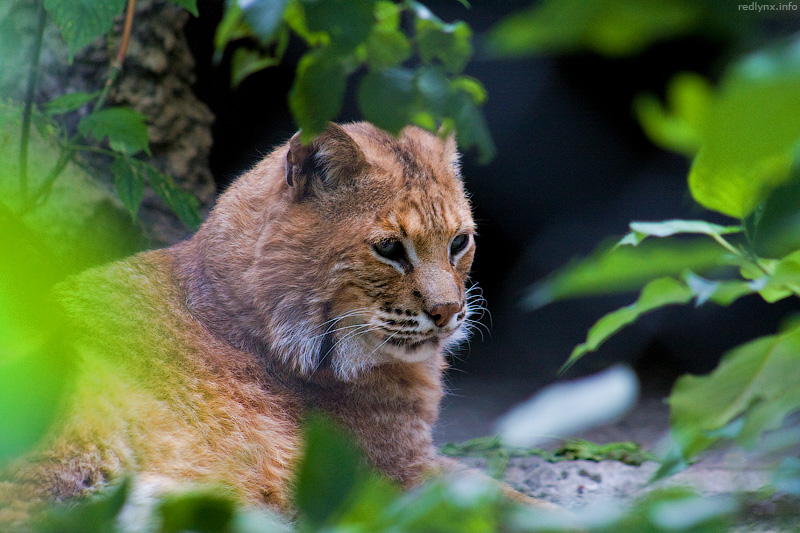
(344, 315)
(384, 342)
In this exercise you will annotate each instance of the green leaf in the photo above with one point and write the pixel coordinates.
(263, 16)
(317, 93)
(387, 15)
(775, 227)
(68, 102)
(388, 85)
(472, 87)
(450, 44)
(471, 128)
(435, 90)
(203, 509)
(246, 62)
(784, 280)
(608, 27)
(295, 17)
(757, 381)
(96, 514)
(387, 48)
(231, 27)
(641, 230)
(31, 389)
(721, 292)
(83, 21)
(622, 269)
(347, 22)
(658, 293)
(465, 504)
(125, 129)
(328, 472)
(188, 5)
(679, 128)
(181, 202)
(129, 184)
(752, 134)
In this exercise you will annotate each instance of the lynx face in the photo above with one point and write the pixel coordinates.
(408, 300)
(402, 239)
(346, 253)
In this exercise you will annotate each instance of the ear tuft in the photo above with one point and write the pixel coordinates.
(328, 161)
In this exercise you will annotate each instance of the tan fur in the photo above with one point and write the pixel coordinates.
(202, 359)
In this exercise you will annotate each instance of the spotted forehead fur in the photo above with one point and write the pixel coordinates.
(424, 175)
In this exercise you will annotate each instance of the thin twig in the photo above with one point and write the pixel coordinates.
(116, 64)
(33, 76)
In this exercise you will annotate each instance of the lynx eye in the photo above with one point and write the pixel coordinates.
(391, 249)
(458, 244)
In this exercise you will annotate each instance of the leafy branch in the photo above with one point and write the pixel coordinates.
(125, 130)
(418, 70)
(742, 138)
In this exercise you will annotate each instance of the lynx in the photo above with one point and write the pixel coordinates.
(329, 277)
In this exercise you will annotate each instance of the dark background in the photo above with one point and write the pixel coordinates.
(572, 169)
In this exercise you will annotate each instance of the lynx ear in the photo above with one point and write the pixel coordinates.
(328, 161)
(450, 152)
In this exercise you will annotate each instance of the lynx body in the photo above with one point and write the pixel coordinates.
(331, 276)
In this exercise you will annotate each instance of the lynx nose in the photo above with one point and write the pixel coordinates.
(442, 313)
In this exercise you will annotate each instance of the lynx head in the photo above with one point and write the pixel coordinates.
(346, 253)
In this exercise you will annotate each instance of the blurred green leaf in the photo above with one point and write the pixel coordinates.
(787, 479)
(784, 279)
(681, 126)
(125, 129)
(388, 85)
(434, 89)
(387, 14)
(182, 203)
(369, 501)
(98, 514)
(775, 227)
(329, 471)
(31, 389)
(450, 44)
(246, 62)
(657, 293)
(263, 16)
(463, 504)
(68, 102)
(623, 269)
(295, 17)
(129, 184)
(608, 27)
(472, 87)
(471, 128)
(83, 21)
(752, 134)
(188, 5)
(641, 230)
(387, 48)
(318, 90)
(721, 292)
(692, 513)
(202, 509)
(757, 381)
(347, 22)
(260, 521)
(231, 27)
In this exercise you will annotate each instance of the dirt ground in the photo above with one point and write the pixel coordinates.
(473, 407)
